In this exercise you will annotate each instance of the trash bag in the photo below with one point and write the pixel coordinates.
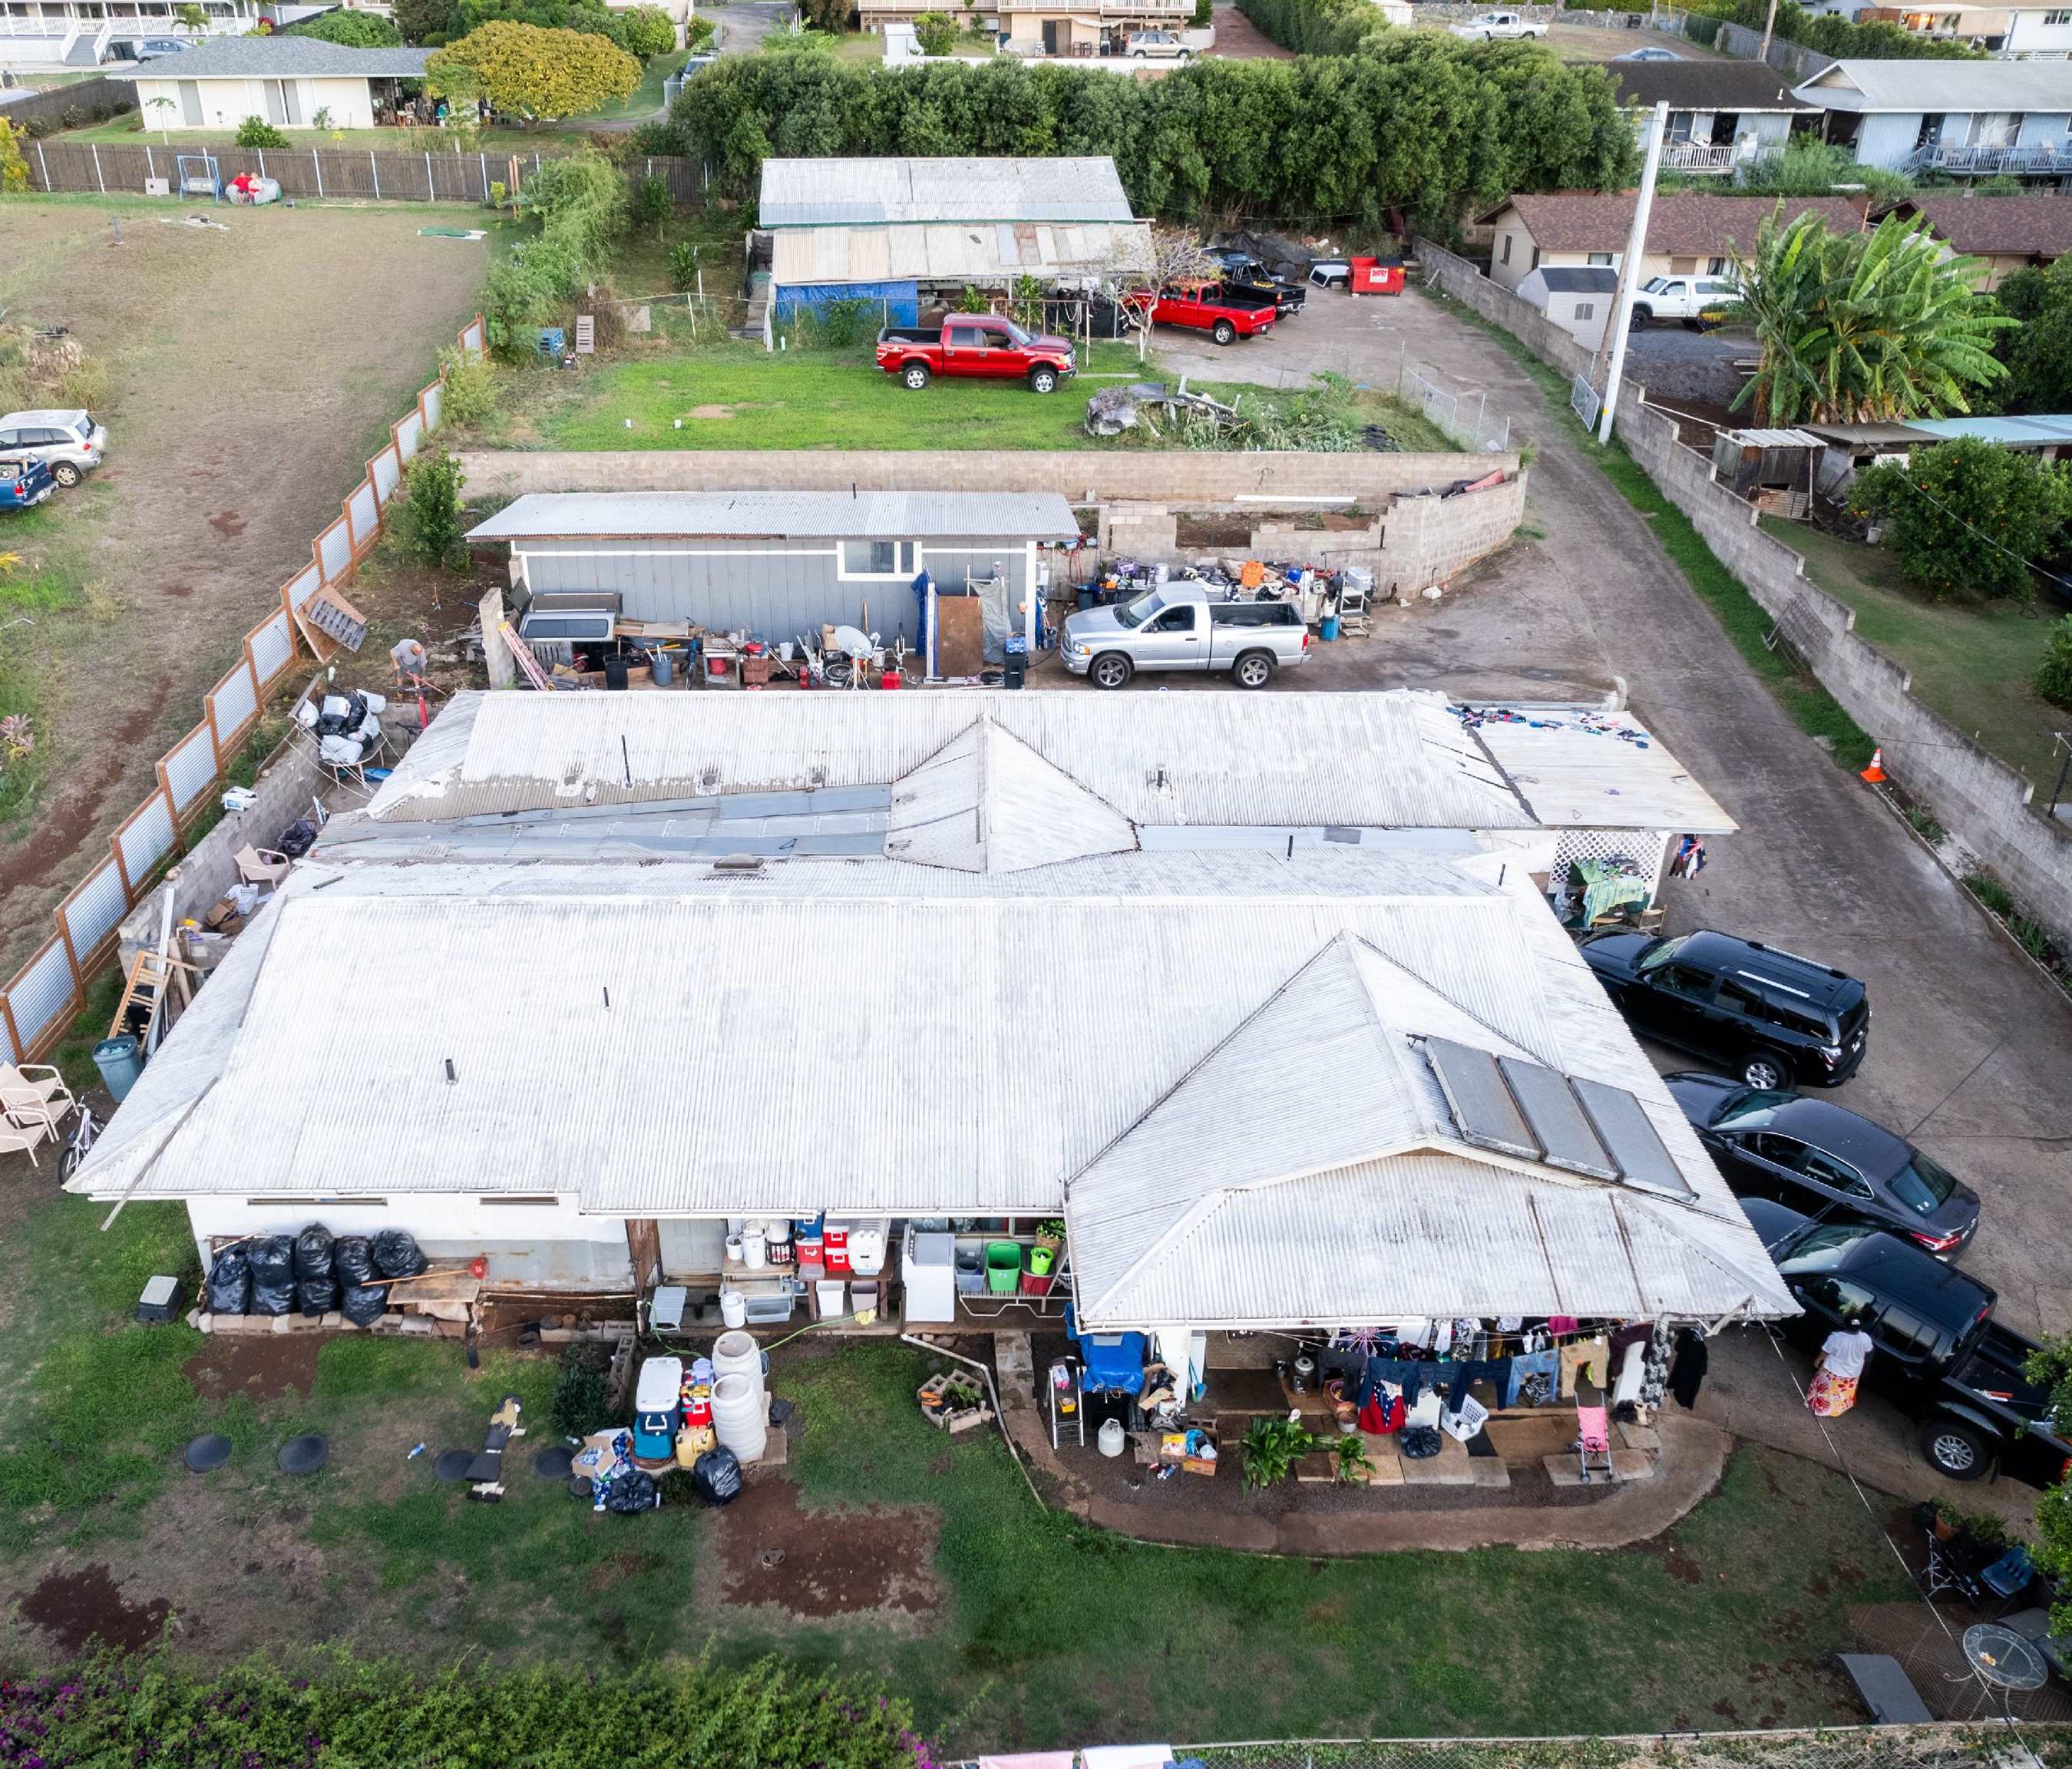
(272, 1297)
(352, 1260)
(319, 1296)
(313, 1253)
(364, 1304)
(297, 838)
(273, 1258)
(230, 1283)
(630, 1492)
(716, 1476)
(1420, 1441)
(397, 1254)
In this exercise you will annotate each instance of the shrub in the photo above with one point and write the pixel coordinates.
(651, 203)
(580, 203)
(355, 30)
(684, 265)
(936, 32)
(645, 30)
(255, 132)
(541, 75)
(1272, 1447)
(581, 1402)
(471, 391)
(2053, 680)
(699, 33)
(1965, 517)
(429, 518)
(13, 169)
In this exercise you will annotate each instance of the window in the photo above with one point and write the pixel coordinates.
(1824, 1170)
(1585, 310)
(964, 338)
(1254, 614)
(1780, 1150)
(1922, 1184)
(1715, 267)
(1904, 1334)
(1535, 257)
(1826, 1247)
(1752, 1105)
(1178, 619)
(2058, 17)
(1600, 260)
(1686, 981)
(1507, 248)
(1742, 999)
(1660, 953)
(1838, 1294)
(879, 558)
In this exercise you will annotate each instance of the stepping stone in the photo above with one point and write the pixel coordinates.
(1639, 1436)
(304, 1454)
(1448, 1468)
(1384, 1460)
(207, 1452)
(1633, 1465)
(1489, 1471)
(553, 1463)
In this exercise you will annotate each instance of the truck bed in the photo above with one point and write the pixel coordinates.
(910, 335)
(1992, 1369)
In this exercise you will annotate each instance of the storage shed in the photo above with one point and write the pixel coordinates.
(775, 562)
(1578, 299)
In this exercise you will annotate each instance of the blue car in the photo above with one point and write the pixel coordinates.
(25, 482)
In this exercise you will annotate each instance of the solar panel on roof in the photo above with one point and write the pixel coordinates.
(1623, 1129)
(1557, 1119)
(1481, 1105)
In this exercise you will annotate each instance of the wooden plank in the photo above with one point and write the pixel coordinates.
(960, 635)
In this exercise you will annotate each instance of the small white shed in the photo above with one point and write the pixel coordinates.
(292, 82)
(1579, 300)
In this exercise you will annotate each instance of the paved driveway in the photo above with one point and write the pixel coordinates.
(744, 25)
(1970, 1048)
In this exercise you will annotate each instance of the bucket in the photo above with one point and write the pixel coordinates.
(1330, 628)
(1109, 1438)
(740, 1416)
(1041, 1260)
(753, 1253)
(120, 1062)
(737, 1354)
(665, 669)
(735, 1249)
(733, 1308)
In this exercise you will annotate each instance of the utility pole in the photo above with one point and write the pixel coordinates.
(1636, 249)
(1768, 26)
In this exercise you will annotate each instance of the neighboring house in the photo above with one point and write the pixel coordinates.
(1579, 302)
(1966, 119)
(910, 233)
(1689, 232)
(1056, 27)
(289, 81)
(2004, 233)
(2015, 31)
(84, 33)
(1720, 112)
(1021, 963)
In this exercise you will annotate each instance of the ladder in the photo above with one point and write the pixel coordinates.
(150, 975)
(522, 654)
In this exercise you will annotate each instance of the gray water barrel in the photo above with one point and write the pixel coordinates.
(665, 669)
(120, 1062)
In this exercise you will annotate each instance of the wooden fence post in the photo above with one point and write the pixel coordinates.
(172, 808)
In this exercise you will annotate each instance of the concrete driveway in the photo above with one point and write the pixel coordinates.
(743, 25)
(1970, 1046)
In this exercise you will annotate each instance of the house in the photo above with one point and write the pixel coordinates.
(2012, 30)
(1720, 112)
(84, 33)
(1689, 232)
(775, 562)
(1579, 302)
(1964, 119)
(2004, 233)
(1017, 966)
(1052, 27)
(911, 233)
(292, 82)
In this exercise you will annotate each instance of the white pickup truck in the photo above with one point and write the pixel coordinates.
(1176, 626)
(1497, 26)
(1696, 300)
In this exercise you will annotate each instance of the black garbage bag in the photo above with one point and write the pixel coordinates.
(364, 1304)
(273, 1297)
(630, 1492)
(297, 838)
(313, 1253)
(352, 1260)
(273, 1258)
(1419, 1440)
(716, 1476)
(397, 1254)
(230, 1283)
(317, 1295)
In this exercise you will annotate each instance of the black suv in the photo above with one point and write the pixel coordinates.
(1771, 1018)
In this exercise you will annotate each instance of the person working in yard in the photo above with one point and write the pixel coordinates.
(1838, 1369)
(408, 655)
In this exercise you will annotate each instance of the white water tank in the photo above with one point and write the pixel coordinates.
(740, 1416)
(738, 1354)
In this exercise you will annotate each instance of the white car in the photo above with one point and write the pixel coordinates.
(1141, 44)
(1498, 26)
(67, 442)
(1651, 53)
(1690, 299)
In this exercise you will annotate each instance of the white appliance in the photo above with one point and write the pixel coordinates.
(867, 1247)
(931, 1277)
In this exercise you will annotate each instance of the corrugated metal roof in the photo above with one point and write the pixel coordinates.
(1941, 86)
(797, 193)
(1772, 439)
(954, 251)
(1399, 760)
(2031, 431)
(986, 802)
(539, 516)
(1587, 770)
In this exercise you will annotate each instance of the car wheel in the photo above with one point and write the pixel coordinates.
(65, 474)
(1254, 669)
(1956, 1449)
(1110, 669)
(1766, 1071)
(915, 375)
(1138, 55)
(1224, 332)
(1042, 381)
(1641, 318)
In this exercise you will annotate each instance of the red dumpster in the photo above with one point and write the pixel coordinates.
(1377, 276)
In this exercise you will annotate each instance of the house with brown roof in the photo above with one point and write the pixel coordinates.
(2004, 233)
(1720, 112)
(1689, 232)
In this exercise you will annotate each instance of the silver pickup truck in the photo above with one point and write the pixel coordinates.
(1176, 626)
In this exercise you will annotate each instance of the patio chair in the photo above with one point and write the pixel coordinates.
(24, 1135)
(265, 866)
(1946, 1574)
(2009, 1576)
(35, 1091)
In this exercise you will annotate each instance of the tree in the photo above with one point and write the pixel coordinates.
(355, 30)
(433, 528)
(163, 105)
(13, 169)
(651, 206)
(2037, 349)
(429, 22)
(192, 15)
(1143, 264)
(645, 30)
(1861, 328)
(2054, 676)
(540, 76)
(1966, 517)
(936, 32)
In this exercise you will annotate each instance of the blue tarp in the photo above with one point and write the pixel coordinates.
(898, 303)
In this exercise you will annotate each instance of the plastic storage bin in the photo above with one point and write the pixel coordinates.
(1003, 1267)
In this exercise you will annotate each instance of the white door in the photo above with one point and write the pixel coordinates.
(190, 104)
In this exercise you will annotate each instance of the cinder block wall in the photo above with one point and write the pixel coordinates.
(1426, 539)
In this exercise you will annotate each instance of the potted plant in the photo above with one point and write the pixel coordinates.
(1272, 1447)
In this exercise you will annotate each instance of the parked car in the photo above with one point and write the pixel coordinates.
(25, 482)
(1651, 53)
(1242, 271)
(1826, 1161)
(982, 345)
(1177, 625)
(67, 442)
(1226, 315)
(1140, 44)
(1698, 302)
(1497, 26)
(1770, 1017)
(1938, 1354)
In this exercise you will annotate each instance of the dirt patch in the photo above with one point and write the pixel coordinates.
(1675, 1561)
(178, 592)
(261, 1369)
(228, 523)
(77, 1608)
(712, 411)
(876, 1561)
(64, 828)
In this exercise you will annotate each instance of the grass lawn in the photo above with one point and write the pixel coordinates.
(136, 132)
(1019, 1628)
(645, 99)
(1973, 662)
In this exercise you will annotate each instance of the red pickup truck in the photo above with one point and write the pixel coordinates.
(1226, 315)
(982, 345)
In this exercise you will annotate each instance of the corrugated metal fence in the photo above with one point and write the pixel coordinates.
(392, 175)
(39, 1003)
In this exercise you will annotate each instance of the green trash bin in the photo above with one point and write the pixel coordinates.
(121, 1061)
(1003, 1267)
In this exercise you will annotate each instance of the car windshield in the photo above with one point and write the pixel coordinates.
(1826, 1247)
(1655, 285)
(1922, 1184)
(1135, 614)
(1750, 1107)
(1661, 952)
(1015, 334)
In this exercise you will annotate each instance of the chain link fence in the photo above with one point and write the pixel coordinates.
(1868, 1747)
(1465, 417)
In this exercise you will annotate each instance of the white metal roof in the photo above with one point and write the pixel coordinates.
(1578, 768)
(847, 192)
(541, 516)
(943, 251)
(1941, 86)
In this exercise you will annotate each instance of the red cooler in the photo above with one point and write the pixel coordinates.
(834, 1249)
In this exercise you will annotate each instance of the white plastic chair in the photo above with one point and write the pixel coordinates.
(36, 1092)
(263, 867)
(23, 1135)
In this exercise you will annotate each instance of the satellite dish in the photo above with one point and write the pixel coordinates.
(854, 643)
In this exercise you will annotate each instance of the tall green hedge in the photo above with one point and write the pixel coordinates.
(1416, 122)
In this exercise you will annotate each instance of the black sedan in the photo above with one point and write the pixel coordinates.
(1826, 1162)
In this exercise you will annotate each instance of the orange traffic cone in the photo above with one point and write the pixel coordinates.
(1875, 773)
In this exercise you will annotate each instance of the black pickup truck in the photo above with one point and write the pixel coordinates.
(1941, 1357)
(1243, 275)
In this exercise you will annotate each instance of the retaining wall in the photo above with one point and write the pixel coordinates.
(1793, 59)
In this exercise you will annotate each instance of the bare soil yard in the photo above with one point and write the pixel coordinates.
(251, 370)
